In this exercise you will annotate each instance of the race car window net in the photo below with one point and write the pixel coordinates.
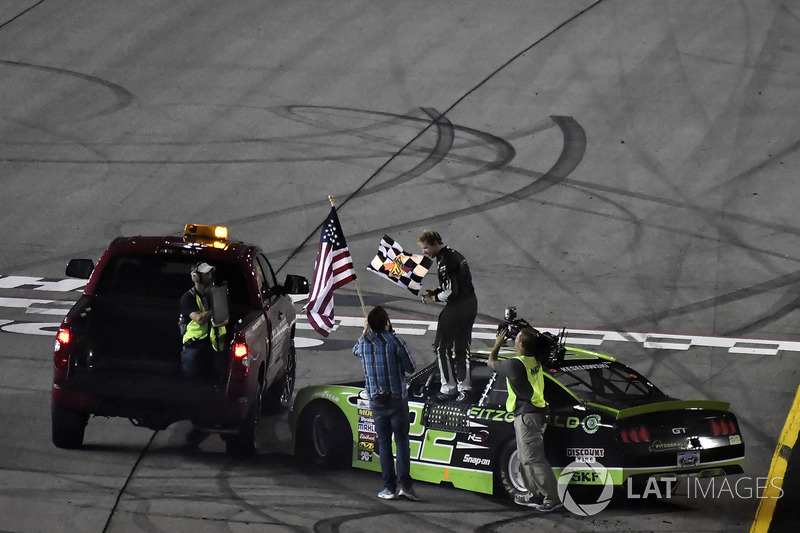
(163, 278)
(495, 393)
(608, 381)
(448, 416)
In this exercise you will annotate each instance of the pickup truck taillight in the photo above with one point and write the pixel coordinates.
(240, 364)
(240, 350)
(61, 352)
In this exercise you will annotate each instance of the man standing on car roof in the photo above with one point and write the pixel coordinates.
(525, 383)
(203, 341)
(386, 361)
(454, 328)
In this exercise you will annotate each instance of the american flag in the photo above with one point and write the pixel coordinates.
(392, 263)
(333, 269)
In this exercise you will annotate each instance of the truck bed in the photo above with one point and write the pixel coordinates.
(135, 336)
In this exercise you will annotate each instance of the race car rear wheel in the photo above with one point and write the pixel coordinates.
(325, 437)
(68, 427)
(508, 478)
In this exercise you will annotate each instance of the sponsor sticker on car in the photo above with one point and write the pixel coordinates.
(688, 459)
(586, 455)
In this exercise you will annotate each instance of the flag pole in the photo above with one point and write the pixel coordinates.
(358, 289)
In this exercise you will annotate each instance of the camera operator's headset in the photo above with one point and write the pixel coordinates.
(196, 274)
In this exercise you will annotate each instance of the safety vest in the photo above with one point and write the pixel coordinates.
(533, 370)
(201, 331)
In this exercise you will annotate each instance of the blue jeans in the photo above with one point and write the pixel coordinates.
(392, 418)
(199, 360)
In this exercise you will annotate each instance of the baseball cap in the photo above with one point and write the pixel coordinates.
(203, 268)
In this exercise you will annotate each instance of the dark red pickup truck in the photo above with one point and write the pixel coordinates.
(118, 351)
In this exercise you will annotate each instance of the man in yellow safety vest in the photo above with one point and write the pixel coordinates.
(525, 383)
(203, 341)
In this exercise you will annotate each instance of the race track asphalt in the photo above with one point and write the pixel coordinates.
(623, 169)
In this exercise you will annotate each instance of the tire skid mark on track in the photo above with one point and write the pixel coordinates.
(431, 157)
(573, 150)
(122, 98)
(442, 148)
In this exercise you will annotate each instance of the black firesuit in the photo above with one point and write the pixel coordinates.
(454, 330)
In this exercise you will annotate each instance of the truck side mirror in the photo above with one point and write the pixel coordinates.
(295, 284)
(80, 268)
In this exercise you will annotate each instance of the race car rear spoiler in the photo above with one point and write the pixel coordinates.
(673, 405)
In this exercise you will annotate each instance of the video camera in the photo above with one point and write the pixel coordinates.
(512, 325)
(551, 347)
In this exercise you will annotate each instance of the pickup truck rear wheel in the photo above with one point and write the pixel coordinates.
(279, 395)
(245, 443)
(68, 427)
(325, 437)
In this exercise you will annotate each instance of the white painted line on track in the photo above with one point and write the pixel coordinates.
(41, 284)
(406, 326)
(22, 303)
(592, 338)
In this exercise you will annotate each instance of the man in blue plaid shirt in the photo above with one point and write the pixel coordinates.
(386, 360)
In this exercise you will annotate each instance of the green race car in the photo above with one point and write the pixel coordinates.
(601, 412)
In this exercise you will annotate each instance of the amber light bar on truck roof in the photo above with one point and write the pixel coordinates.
(212, 235)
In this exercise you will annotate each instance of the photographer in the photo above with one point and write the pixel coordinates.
(386, 359)
(525, 382)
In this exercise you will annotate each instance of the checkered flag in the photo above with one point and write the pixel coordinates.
(403, 269)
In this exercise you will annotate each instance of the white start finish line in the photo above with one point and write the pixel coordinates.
(575, 337)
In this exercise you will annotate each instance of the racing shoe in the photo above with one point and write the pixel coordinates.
(546, 507)
(442, 397)
(387, 494)
(409, 494)
(527, 500)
